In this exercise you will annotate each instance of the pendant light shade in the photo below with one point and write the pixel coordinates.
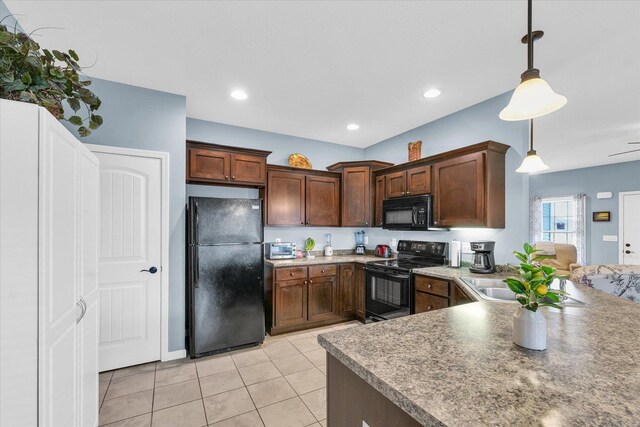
(533, 97)
(532, 163)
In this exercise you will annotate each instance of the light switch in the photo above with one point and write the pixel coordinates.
(606, 238)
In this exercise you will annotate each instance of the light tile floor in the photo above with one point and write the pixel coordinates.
(281, 383)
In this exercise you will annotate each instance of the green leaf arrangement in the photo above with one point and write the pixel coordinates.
(532, 287)
(46, 78)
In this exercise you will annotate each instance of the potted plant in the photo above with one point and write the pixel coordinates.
(532, 291)
(46, 78)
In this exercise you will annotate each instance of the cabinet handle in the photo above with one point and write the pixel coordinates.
(402, 193)
(233, 178)
(226, 177)
(323, 271)
(429, 286)
(310, 281)
(302, 222)
(366, 223)
(292, 273)
(407, 193)
(305, 282)
(308, 222)
(428, 307)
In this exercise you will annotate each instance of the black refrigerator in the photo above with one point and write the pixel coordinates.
(225, 307)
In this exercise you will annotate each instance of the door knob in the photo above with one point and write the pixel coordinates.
(152, 270)
(627, 244)
(628, 252)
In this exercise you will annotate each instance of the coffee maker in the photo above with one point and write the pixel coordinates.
(483, 260)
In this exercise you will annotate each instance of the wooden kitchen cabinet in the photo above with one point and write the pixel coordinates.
(427, 302)
(379, 198)
(358, 192)
(304, 297)
(431, 293)
(347, 290)
(322, 201)
(215, 164)
(291, 306)
(461, 296)
(361, 284)
(286, 200)
(418, 181)
(322, 298)
(296, 197)
(395, 184)
(469, 189)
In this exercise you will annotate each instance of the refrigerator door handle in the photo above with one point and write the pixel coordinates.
(195, 220)
(196, 268)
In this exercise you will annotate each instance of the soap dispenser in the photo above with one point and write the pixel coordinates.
(328, 250)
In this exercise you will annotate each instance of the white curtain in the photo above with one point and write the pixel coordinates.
(535, 219)
(579, 204)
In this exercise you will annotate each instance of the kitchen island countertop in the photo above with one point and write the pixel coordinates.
(458, 366)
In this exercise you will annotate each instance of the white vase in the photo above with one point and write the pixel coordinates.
(529, 329)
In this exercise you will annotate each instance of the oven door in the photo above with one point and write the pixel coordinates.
(388, 294)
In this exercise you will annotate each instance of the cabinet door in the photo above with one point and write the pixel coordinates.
(285, 198)
(380, 195)
(419, 180)
(356, 197)
(360, 291)
(459, 191)
(88, 214)
(291, 303)
(323, 201)
(59, 274)
(347, 290)
(247, 169)
(322, 299)
(395, 184)
(208, 165)
(427, 302)
(460, 296)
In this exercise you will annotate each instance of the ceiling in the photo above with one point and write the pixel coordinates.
(311, 68)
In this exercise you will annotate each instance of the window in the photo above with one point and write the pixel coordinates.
(558, 220)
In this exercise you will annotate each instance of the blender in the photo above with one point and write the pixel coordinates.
(360, 238)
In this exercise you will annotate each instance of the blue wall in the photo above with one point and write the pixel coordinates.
(474, 124)
(615, 178)
(146, 119)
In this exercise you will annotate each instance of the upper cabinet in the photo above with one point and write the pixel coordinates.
(221, 165)
(411, 182)
(467, 185)
(469, 189)
(298, 197)
(358, 192)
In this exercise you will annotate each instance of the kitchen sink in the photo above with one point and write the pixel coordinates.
(497, 290)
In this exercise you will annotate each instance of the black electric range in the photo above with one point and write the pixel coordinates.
(389, 292)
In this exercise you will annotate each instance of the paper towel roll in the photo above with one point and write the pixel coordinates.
(455, 249)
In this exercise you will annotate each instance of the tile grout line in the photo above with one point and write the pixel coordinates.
(206, 418)
(255, 408)
(153, 393)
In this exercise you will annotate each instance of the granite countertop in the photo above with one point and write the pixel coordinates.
(458, 366)
(337, 259)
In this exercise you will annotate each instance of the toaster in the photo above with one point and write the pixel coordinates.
(383, 251)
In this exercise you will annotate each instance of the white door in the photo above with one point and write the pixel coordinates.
(59, 306)
(130, 250)
(630, 225)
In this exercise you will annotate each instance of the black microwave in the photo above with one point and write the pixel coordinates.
(408, 213)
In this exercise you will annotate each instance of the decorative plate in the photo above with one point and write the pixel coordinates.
(297, 160)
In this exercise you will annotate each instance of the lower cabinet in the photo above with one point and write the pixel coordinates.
(433, 293)
(347, 290)
(307, 297)
(322, 299)
(361, 292)
(291, 302)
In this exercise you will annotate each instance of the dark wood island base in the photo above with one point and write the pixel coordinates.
(350, 401)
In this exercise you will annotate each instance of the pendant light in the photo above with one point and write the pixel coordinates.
(532, 163)
(533, 97)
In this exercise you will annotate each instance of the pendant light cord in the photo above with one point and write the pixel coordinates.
(531, 135)
(529, 35)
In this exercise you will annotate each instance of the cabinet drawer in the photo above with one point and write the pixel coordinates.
(322, 270)
(433, 286)
(291, 273)
(427, 302)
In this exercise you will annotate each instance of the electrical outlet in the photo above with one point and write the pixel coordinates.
(466, 247)
(606, 238)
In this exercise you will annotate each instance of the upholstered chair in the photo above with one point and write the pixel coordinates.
(565, 256)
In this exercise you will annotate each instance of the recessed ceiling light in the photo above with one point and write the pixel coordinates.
(432, 93)
(353, 126)
(239, 94)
